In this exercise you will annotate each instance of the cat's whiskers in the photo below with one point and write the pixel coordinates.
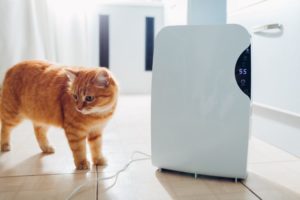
(98, 110)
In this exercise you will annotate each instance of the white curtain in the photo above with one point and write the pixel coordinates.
(58, 31)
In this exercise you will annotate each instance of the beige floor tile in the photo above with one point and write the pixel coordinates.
(7, 195)
(198, 197)
(183, 185)
(48, 186)
(196, 188)
(143, 181)
(54, 194)
(25, 157)
(261, 152)
(269, 186)
(225, 186)
(237, 196)
(11, 184)
(284, 174)
(281, 194)
(137, 182)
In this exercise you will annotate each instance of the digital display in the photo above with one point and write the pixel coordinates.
(243, 71)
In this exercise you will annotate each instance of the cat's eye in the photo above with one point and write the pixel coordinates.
(75, 97)
(89, 98)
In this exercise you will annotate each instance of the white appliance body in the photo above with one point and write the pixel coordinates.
(200, 112)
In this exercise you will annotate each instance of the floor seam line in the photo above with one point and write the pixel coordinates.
(27, 175)
(250, 190)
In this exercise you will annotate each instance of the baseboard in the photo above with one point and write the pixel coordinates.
(278, 127)
(276, 114)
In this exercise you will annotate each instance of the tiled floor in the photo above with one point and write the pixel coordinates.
(25, 173)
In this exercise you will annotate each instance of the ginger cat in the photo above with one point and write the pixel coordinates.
(79, 100)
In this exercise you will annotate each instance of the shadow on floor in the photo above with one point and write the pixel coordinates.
(38, 164)
(179, 184)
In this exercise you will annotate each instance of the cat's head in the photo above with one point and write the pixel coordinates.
(94, 90)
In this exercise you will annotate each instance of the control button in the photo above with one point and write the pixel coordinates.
(247, 51)
(243, 82)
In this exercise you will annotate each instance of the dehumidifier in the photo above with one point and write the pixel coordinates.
(200, 109)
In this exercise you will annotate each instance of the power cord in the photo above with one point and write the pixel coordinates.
(115, 176)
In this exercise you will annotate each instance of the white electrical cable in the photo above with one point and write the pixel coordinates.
(115, 176)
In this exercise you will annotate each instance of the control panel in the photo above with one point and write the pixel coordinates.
(243, 71)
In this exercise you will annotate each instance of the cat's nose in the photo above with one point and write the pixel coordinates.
(80, 106)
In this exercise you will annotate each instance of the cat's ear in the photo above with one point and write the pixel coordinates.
(102, 79)
(71, 74)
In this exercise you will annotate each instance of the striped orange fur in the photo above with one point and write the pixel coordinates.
(79, 100)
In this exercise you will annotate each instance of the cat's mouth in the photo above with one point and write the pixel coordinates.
(97, 110)
(81, 111)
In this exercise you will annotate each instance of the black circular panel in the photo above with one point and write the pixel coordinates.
(243, 71)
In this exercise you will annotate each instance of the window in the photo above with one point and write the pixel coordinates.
(149, 40)
(104, 41)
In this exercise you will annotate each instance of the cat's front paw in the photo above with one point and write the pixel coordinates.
(48, 149)
(99, 161)
(5, 147)
(83, 165)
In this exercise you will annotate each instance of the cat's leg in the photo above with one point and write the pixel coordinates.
(41, 136)
(5, 136)
(10, 119)
(77, 142)
(6, 128)
(95, 143)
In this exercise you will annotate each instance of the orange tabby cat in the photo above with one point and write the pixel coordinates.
(80, 100)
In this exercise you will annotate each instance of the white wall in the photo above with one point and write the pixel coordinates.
(175, 12)
(206, 12)
(127, 43)
(275, 69)
(194, 12)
